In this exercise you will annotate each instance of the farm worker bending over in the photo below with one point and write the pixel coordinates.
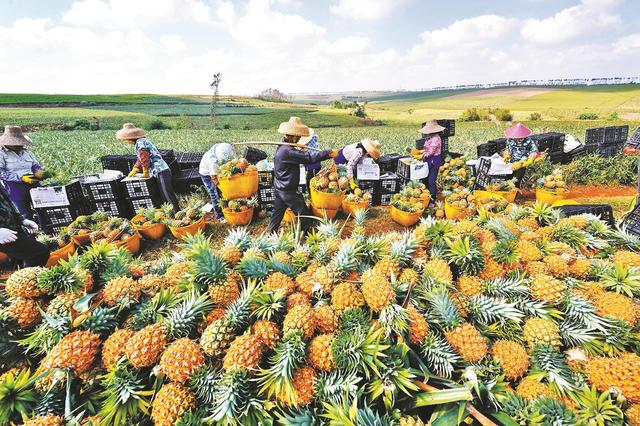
(150, 162)
(432, 154)
(352, 154)
(217, 154)
(19, 168)
(520, 147)
(286, 173)
(16, 235)
(312, 142)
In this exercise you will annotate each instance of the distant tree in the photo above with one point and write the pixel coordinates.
(337, 104)
(588, 116)
(273, 95)
(535, 116)
(359, 111)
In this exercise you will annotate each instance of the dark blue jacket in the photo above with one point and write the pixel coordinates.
(286, 173)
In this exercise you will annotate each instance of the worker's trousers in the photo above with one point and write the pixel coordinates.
(294, 201)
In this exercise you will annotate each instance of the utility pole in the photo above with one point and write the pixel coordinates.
(215, 83)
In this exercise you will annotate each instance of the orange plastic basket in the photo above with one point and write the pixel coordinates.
(405, 218)
(238, 218)
(244, 185)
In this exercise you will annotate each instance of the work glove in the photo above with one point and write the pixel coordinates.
(133, 172)
(214, 180)
(7, 236)
(39, 174)
(334, 153)
(29, 179)
(29, 226)
(145, 173)
(353, 184)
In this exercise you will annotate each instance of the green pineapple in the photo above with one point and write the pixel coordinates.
(60, 278)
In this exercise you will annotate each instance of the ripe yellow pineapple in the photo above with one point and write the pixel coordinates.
(486, 237)
(282, 257)
(418, 326)
(136, 270)
(618, 306)
(377, 290)
(24, 283)
(530, 388)
(529, 223)
(151, 284)
(546, 288)
(230, 254)
(632, 414)
(346, 295)
(145, 347)
(536, 268)
(530, 236)
(225, 293)
(24, 311)
(300, 318)
(528, 251)
(387, 267)
(580, 267)
(305, 281)
(304, 385)
(468, 342)
(621, 372)
(465, 227)
(324, 278)
(76, 350)
(245, 352)
(114, 346)
(470, 286)
(320, 355)
(181, 359)
(511, 226)
(557, 266)
(411, 421)
(121, 290)
(492, 270)
(540, 330)
(46, 420)
(176, 272)
(627, 258)
(215, 314)
(409, 276)
(326, 319)
(268, 332)
(461, 302)
(170, 403)
(280, 281)
(298, 298)
(512, 357)
(439, 269)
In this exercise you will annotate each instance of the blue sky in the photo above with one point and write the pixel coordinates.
(173, 46)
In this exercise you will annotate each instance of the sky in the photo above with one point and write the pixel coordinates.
(175, 46)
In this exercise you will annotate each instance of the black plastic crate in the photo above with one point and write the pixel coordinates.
(136, 204)
(141, 188)
(385, 199)
(102, 190)
(121, 163)
(634, 140)
(254, 155)
(631, 222)
(448, 124)
(115, 208)
(62, 215)
(370, 186)
(389, 183)
(266, 195)
(488, 149)
(550, 142)
(420, 143)
(265, 179)
(302, 189)
(557, 157)
(574, 154)
(186, 179)
(73, 191)
(604, 211)
(610, 135)
(388, 163)
(189, 160)
(594, 136)
(622, 134)
(444, 147)
(610, 150)
(482, 173)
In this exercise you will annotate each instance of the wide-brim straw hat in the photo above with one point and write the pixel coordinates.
(518, 131)
(130, 131)
(306, 139)
(431, 126)
(372, 147)
(13, 136)
(294, 127)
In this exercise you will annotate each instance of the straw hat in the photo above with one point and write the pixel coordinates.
(518, 131)
(431, 126)
(293, 127)
(306, 139)
(372, 147)
(13, 137)
(129, 131)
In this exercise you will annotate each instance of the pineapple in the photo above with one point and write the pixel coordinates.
(468, 342)
(621, 372)
(532, 389)
(230, 254)
(558, 267)
(320, 356)
(24, 311)
(268, 332)
(617, 306)
(536, 268)
(528, 250)
(222, 295)
(181, 359)
(280, 281)
(546, 289)
(144, 348)
(465, 227)
(346, 295)
(359, 218)
(418, 326)
(512, 357)
(281, 257)
(77, 351)
(46, 420)
(298, 298)
(151, 284)
(580, 268)
(24, 283)
(304, 386)
(172, 401)
(177, 272)
(326, 319)
(409, 276)
(300, 318)
(411, 421)
(540, 330)
(245, 353)
(114, 347)
(121, 290)
(218, 335)
(439, 269)
(470, 286)
(632, 414)
(62, 305)
(492, 270)
(625, 258)
(377, 290)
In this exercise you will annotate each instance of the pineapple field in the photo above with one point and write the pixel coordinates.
(521, 317)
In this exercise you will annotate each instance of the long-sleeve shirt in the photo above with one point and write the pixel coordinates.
(432, 147)
(14, 165)
(521, 150)
(9, 216)
(149, 157)
(209, 162)
(313, 143)
(353, 153)
(287, 161)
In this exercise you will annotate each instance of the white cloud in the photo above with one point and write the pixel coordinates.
(347, 45)
(627, 44)
(468, 32)
(134, 13)
(173, 43)
(568, 24)
(366, 10)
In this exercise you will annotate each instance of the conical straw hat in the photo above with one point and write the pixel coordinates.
(372, 147)
(293, 127)
(129, 131)
(13, 137)
(430, 127)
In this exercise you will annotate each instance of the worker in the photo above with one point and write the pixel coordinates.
(352, 154)
(217, 154)
(19, 169)
(312, 142)
(520, 147)
(17, 235)
(432, 154)
(286, 174)
(149, 162)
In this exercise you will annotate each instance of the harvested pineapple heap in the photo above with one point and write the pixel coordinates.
(331, 179)
(525, 318)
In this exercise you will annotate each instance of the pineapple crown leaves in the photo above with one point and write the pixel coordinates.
(102, 320)
(621, 238)
(328, 228)
(304, 416)
(536, 308)
(465, 254)
(48, 333)
(521, 410)
(238, 312)
(51, 402)
(435, 231)
(265, 243)
(486, 310)
(575, 334)
(234, 402)
(505, 251)
(359, 216)
(238, 237)
(17, 396)
(394, 319)
(374, 249)
(285, 268)
(347, 258)
(10, 351)
(513, 285)
(439, 356)
(570, 235)
(518, 212)
(97, 256)
(544, 214)
(152, 310)
(117, 265)
(359, 349)
(497, 227)
(289, 354)
(184, 318)
(254, 268)
(582, 311)
(443, 310)
(204, 382)
(60, 278)
(596, 405)
(555, 412)
(403, 249)
(349, 414)
(268, 305)
(621, 279)
(546, 359)
(195, 417)
(597, 226)
(354, 318)
(337, 386)
(124, 395)
(209, 268)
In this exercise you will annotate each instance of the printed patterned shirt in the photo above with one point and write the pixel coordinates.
(14, 165)
(149, 157)
(432, 147)
(353, 153)
(9, 216)
(521, 150)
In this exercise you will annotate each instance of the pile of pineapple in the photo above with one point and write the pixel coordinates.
(462, 198)
(523, 318)
(192, 213)
(409, 200)
(235, 166)
(85, 224)
(502, 186)
(148, 217)
(454, 174)
(112, 230)
(358, 196)
(331, 179)
(239, 204)
(553, 182)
